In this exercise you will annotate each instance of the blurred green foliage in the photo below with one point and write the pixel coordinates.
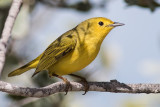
(80, 6)
(151, 4)
(4, 8)
(5, 3)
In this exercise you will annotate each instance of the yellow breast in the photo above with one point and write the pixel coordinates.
(78, 59)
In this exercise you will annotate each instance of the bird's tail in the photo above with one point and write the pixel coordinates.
(25, 68)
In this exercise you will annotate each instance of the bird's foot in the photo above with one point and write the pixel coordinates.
(68, 85)
(86, 85)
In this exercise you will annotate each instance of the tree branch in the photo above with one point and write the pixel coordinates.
(13, 12)
(112, 86)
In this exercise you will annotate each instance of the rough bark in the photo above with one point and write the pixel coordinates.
(112, 86)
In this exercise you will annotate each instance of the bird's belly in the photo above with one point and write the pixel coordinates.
(73, 62)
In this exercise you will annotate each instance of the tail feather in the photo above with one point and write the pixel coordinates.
(30, 65)
(20, 70)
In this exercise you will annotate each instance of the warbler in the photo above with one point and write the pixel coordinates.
(72, 51)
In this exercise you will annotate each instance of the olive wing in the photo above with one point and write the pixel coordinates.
(55, 51)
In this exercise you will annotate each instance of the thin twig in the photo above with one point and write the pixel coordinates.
(112, 86)
(13, 12)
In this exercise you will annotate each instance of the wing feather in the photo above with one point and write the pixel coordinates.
(55, 51)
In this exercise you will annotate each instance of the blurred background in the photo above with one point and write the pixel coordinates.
(130, 54)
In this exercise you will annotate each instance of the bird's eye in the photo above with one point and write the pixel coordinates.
(101, 23)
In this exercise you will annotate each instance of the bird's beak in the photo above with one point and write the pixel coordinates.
(115, 24)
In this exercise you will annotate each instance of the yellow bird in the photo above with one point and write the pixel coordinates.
(72, 51)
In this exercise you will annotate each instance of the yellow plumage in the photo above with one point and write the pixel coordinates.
(73, 50)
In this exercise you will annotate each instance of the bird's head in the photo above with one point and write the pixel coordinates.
(96, 28)
(102, 26)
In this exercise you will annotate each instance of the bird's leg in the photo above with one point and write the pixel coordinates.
(68, 85)
(83, 80)
(50, 75)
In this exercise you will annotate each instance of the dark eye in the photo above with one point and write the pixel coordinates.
(101, 23)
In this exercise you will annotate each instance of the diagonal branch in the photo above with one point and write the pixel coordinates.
(13, 12)
(112, 86)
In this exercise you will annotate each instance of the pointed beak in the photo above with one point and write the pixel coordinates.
(115, 24)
